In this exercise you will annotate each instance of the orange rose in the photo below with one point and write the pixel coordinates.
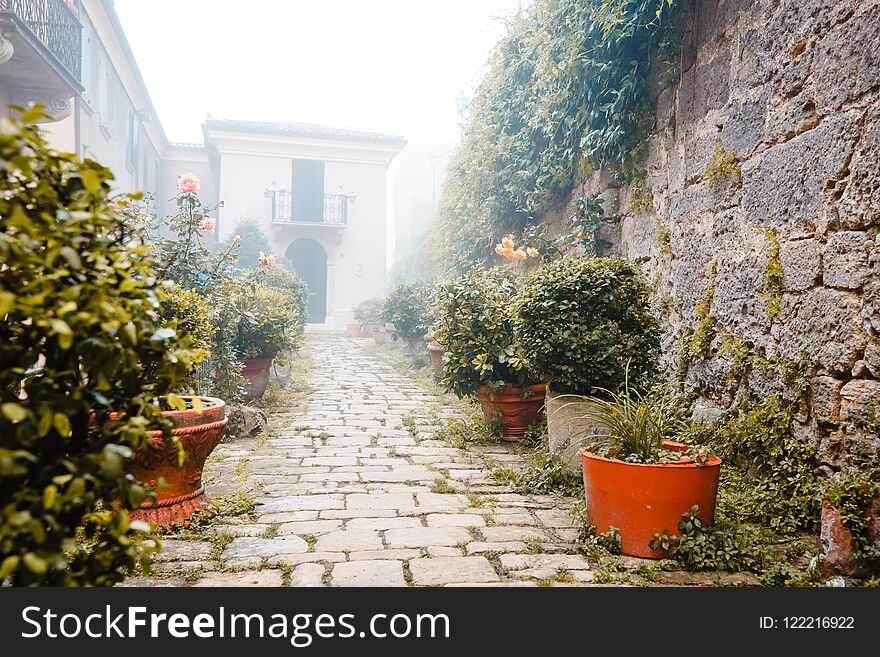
(532, 251)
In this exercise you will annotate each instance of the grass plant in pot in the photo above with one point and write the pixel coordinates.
(637, 479)
(266, 322)
(581, 323)
(408, 307)
(483, 357)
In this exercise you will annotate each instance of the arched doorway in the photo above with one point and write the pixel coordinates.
(310, 262)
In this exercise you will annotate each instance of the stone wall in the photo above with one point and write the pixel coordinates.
(792, 89)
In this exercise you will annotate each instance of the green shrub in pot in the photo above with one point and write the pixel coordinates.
(408, 307)
(474, 321)
(265, 321)
(582, 320)
(283, 279)
(369, 311)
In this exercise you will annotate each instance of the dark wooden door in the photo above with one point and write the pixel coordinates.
(310, 262)
(307, 185)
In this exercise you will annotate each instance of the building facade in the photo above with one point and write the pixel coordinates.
(318, 193)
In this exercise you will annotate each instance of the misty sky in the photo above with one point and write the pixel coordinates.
(390, 65)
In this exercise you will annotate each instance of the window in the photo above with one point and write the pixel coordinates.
(308, 191)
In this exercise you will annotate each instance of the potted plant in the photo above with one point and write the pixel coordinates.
(582, 322)
(173, 467)
(408, 309)
(368, 316)
(265, 323)
(483, 358)
(637, 478)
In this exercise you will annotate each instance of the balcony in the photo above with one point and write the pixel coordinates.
(41, 45)
(334, 211)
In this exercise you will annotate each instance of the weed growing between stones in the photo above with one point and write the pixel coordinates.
(773, 275)
(722, 166)
(442, 486)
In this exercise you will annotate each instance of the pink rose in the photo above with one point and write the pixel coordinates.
(187, 184)
(208, 224)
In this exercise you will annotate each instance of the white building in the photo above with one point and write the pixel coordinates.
(320, 195)
(318, 192)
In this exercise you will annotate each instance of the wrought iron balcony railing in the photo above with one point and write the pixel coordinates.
(52, 23)
(334, 210)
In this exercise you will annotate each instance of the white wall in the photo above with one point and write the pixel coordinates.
(243, 180)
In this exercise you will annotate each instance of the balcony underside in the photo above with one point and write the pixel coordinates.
(34, 74)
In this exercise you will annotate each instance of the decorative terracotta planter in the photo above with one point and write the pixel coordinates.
(353, 330)
(507, 405)
(643, 499)
(415, 346)
(380, 335)
(183, 493)
(436, 352)
(256, 373)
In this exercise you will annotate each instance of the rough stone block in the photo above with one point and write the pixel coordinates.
(452, 570)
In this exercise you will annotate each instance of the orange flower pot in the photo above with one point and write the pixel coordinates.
(256, 373)
(199, 432)
(643, 499)
(353, 330)
(380, 335)
(508, 406)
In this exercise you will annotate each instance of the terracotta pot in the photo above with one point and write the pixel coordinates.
(643, 499)
(353, 330)
(380, 335)
(183, 493)
(567, 428)
(508, 406)
(415, 346)
(256, 373)
(436, 352)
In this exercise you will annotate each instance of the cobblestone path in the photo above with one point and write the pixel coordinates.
(354, 490)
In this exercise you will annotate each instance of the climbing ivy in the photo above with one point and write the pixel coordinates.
(567, 87)
(773, 276)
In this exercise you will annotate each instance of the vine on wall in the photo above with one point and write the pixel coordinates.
(567, 87)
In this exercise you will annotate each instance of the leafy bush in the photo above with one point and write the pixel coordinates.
(266, 322)
(252, 242)
(474, 323)
(852, 493)
(189, 313)
(568, 88)
(79, 332)
(408, 308)
(369, 311)
(584, 322)
(287, 281)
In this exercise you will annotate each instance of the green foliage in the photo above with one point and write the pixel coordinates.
(697, 341)
(545, 474)
(773, 275)
(722, 166)
(852, 493)
(408, 308)
(266, 321)
(283, 279)
(567, 87)
(779, 470)
(253, 242)
(583, 321)
(79, 333)
(663, 238)
(474, 321)
(189, 313)
(369, 311)
(699, 548)
(641, 199)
